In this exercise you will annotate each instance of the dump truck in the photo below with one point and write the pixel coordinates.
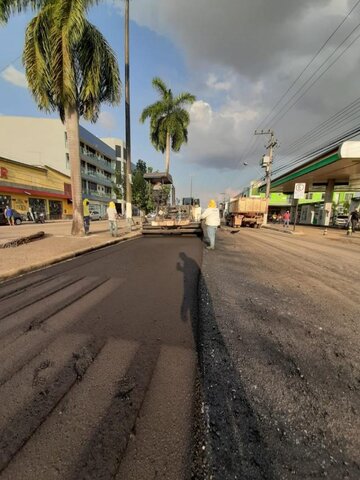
(169, 219)
(246, 212)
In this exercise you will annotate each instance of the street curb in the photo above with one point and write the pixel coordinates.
(38, 266)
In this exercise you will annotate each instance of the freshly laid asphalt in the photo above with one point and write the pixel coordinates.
(99, 377)
(98, 365)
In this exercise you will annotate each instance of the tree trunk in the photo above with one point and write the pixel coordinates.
(72, 129)
(167, 157)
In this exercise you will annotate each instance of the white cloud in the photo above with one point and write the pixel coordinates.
(14, 76)
(242, 57)
(214, 83)
(215, 136)
(107, 121)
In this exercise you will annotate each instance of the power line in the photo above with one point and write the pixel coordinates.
(313, 75)
(310, 62)
(9, 64)
(323, 148)
(334, 119)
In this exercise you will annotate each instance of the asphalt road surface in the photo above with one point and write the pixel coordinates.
(280, 357)
(97, 365)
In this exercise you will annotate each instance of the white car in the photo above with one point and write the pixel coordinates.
(95, 215)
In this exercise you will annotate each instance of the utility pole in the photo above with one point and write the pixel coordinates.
(266, 163)
(127, 119)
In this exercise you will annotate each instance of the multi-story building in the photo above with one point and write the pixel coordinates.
(39, 189)
(43, 141)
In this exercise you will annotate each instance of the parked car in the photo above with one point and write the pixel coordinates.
(18, 218)
(95, 215)
(341, 221)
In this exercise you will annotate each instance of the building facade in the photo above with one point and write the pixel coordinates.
(41, 189)
(311, 210)
(43, 141)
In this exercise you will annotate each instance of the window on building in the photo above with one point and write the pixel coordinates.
(124, 153)
(118, 151)
(67, 160)
(66, 139)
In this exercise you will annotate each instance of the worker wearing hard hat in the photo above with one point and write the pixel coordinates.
(212, 221)
(112, 217)
(86, 212)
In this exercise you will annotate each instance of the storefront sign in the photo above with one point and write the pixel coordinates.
(3, 172)
(67, 189)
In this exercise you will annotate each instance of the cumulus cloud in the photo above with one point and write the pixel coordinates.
(214, 135)
(242, 56)
(214, 83)
(14, 76)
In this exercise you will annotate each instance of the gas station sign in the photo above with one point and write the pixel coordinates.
(299, 190)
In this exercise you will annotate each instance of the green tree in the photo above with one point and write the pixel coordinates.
(119, 186)
(71, 69)
(169, 121)
(142, 190)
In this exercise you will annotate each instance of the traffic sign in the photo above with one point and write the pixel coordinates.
(299, 190)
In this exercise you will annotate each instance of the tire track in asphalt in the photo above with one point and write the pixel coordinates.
(96, 374)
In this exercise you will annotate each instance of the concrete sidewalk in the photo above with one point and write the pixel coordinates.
(57, 245)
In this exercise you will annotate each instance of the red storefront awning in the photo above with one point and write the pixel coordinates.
(34, 193)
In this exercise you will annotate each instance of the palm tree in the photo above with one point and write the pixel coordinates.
(71, 69)
(168, 120)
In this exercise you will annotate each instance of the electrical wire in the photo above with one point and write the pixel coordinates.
(249, 149)
(280, 114)
(309, 63)
(9, 64)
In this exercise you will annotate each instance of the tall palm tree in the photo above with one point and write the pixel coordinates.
(168, 120)
(71, 69)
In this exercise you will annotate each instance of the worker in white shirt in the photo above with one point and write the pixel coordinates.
(212, 220)
(112, 217)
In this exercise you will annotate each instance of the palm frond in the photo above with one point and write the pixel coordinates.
(9, 7)
(36, 59)
(184, 98)
(160, 86)
(99, 72)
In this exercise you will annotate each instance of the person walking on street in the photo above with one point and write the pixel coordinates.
(212, 220)
(354, 218)
(112, 217)
(9, 215)
(286, 219)
(86, 216)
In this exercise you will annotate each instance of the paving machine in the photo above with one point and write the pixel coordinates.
(169, 219)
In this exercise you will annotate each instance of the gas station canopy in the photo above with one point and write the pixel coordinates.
(340, 165)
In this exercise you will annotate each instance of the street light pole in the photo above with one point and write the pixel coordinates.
(127, 118)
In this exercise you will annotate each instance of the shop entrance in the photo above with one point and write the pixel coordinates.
(37, 205)
(55, 210)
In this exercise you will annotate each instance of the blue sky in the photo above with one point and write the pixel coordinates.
(238, 58)
(151, 55)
